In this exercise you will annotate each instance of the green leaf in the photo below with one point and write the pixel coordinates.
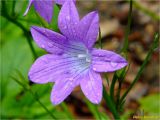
(94, 110)
(150, 52)
(150, 104)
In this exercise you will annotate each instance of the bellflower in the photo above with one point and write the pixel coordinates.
(72, 60)
(44, 7)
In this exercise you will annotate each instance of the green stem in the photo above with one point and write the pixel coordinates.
(94, 110)
(25, 31)
(43, 105)
(106, 77)
(154, 45)
(64, 107)
(112, 86)
(42, 21)
(13, 7)
(121, 78)
(146, 10)
(35, 96)
(110, 104)
(100, 38)
(98, 113)
(127, 32)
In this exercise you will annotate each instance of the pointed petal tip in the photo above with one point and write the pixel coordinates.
(96, 101)
(55, 101)
(24, 14)
(125, 62)
(33, 27)
(49, 21)
(107, 61)
(30, 78)
(95, 12)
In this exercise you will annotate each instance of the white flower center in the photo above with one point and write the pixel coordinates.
(85, 56)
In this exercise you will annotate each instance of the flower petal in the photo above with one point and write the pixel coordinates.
(51, 41)
(61, 2)
(44, 8)
(51, 68)
(60, 91)
(88, 29)
(54, 42)
(29, 5)
(63, 87)
(42, 70)
(68, 20)
(107, 61)
(91, 85)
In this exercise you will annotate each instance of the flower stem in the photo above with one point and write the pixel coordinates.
(100, 38)
(65, 108)
(120, 81)
(154, 45)
(14, 21)
(110, 104)
(13, 7)
(94, 110)
(127, 32)
(34, 95)
(147, 11)
(112, 86)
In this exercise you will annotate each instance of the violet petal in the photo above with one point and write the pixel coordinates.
(42, 71)
(107, 61)
(88, 29)
(47, 39)
(44, 8)
(51, 68)
(61, 2)
(28, 7)
(65, 86)
(68, 20)
(91, 85)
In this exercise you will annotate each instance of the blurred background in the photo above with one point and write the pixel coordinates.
(21, 100)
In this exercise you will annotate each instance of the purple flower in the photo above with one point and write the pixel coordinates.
(72, 60)
(44, 7)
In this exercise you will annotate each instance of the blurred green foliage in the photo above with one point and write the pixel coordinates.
(150, 104)
(16, 102)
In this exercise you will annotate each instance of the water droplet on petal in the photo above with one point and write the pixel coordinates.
(107, 59)
(50, 44)
(113, 64)
(94, 69)
(87, 94)
(96, 101)
(66, 86)
(68, 17)
(99, 55)
(71, 83)
(44, 60)
(42, 46)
